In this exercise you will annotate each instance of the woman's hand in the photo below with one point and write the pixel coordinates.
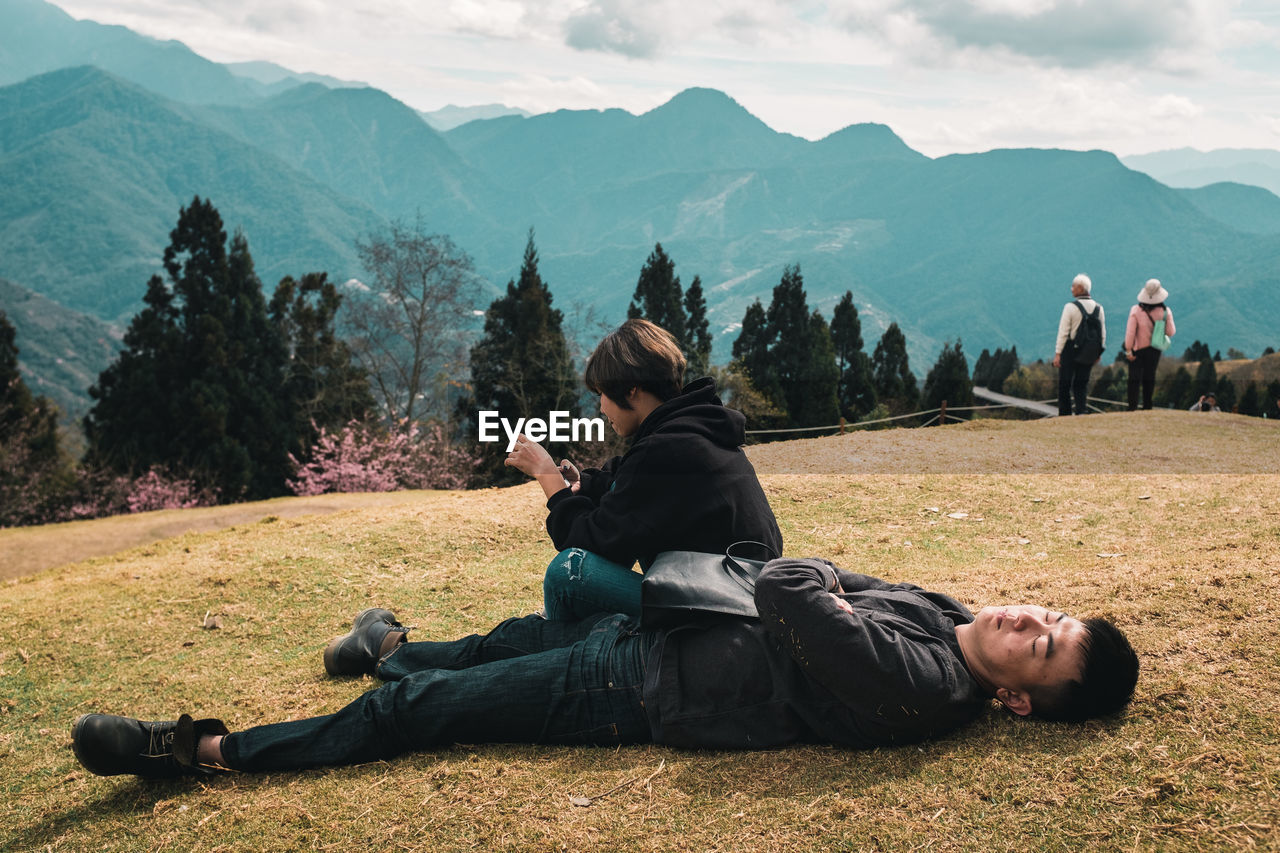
(532, 458)
(571, 475)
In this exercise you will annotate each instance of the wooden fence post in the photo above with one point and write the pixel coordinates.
(942, 414)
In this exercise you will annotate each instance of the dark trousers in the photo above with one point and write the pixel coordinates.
(529, 680)
(1073, 382)
(1142, 374)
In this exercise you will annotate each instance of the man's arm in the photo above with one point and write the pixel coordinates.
(870, 660)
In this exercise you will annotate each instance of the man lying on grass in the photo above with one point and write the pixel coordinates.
(835, 657)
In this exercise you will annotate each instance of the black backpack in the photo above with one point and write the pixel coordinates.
(1088, 339)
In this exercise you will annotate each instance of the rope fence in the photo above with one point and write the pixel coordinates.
(943, 413)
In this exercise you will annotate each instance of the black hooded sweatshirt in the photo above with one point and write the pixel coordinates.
(684, 485)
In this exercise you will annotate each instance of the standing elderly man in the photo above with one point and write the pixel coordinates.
(1082, 336)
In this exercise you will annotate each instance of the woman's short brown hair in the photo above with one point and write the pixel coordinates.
(637, 354)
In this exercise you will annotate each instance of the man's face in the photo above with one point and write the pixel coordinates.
(1023, 646)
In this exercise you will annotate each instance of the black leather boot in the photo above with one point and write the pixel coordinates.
(108, 745)
(358, 652)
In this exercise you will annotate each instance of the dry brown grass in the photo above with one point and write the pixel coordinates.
(1187, 562)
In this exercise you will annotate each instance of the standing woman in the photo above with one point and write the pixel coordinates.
(684, 483)
(1143, 357)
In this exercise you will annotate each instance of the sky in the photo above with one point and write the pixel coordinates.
(948, 76)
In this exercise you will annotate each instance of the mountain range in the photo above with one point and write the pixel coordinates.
(97, 158)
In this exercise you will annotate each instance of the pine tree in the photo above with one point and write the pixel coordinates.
(1226, 394)
(698, 351)
(948, 380)
(818, 378)
(1271, 401)
(751, 351)
(891, 372)
(659, 298)
(1206, 380)
(982, 369)
(790, 329)
(197, 389)
(1004, 364)
(1196, 352)
(1251, 400)
(34, 471)
(323, 386)
(521, 366)
(1176, 393)
(856, 392)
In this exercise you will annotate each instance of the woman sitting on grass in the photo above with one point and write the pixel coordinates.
(683, 485)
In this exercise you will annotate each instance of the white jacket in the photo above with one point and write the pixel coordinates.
(1071, 321)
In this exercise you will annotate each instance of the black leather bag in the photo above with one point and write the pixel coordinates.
(680, 586)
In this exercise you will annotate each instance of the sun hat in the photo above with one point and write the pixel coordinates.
(1152, 293)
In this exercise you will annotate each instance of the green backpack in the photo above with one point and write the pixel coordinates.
(1159, 339)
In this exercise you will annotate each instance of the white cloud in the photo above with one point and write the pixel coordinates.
(614, 26)
(1063, 33)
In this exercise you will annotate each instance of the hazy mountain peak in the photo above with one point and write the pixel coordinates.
(867, 140)
(451, 115)
(703, 105)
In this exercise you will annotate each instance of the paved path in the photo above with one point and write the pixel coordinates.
(1044, 409)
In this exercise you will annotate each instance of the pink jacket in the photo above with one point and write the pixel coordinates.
(1137, 332)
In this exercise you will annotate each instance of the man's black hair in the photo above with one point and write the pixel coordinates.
(1109, 673)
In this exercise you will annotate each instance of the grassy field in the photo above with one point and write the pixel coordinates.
(1173, 534)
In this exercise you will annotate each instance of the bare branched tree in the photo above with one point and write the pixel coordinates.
(408, 329)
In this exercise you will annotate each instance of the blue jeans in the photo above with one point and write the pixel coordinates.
(528, 680)
(579, 583)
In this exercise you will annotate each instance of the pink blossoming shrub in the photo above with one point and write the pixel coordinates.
(155, 490)
(364, 458)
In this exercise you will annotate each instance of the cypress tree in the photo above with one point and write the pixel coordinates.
(34, 472)
(856, 391)
(790, 329)
(1251, 400)
(751, 351)
(1176, 393)
(1206, 380)
(948, 380)
(891, 372)
(323, 386)
(698, 351)
(659, 298)
(1226, 394)
(1196, 352)
(982, 369)
(197, 389)
(521, 366)
(818, 378)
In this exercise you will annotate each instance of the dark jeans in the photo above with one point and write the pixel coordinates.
(529, 680)
(1142, 373)
(579, 583)
(1073, 382)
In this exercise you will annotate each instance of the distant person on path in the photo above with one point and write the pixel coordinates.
(1082, 336)
(684, 483)
(834, 657)
(1143, 357)
(1206, 403)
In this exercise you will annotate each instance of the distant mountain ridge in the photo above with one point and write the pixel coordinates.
(1189, 168)
(39, 37)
